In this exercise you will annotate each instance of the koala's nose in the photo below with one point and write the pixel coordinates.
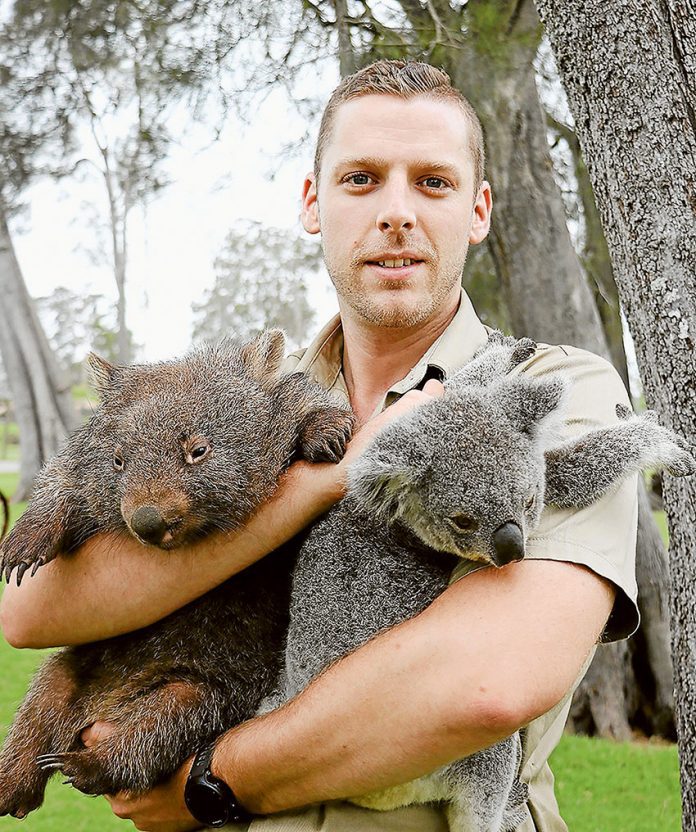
(148, 523)
(508, 543)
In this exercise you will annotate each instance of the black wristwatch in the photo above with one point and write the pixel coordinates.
(210, 800)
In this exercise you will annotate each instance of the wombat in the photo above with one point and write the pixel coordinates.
(175, 450)
(465, 475)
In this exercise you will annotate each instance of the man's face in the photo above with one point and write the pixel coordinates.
(396, 184)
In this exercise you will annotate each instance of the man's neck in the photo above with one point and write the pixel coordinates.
(375, 358)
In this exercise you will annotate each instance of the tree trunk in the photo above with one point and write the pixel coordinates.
(529, 241)
(628, 71)
(40, 391)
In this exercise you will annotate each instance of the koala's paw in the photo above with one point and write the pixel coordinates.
(324, 434)
(15, 554)
(658, 446)
(523, 349)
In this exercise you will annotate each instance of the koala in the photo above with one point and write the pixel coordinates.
(175, 450)
(464, 476)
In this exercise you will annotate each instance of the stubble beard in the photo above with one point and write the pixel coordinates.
(396, 311)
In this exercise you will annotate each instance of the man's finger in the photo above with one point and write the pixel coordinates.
(434, 388)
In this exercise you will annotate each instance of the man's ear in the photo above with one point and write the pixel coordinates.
(481, 220)
(310, 205)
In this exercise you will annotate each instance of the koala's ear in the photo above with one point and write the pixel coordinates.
(381, 490)
(530, 402)
(264, 355)
(101, 372)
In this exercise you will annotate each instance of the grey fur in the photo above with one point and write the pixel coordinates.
(179, 683)
(477, 456)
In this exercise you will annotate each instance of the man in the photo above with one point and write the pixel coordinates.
(398, 195)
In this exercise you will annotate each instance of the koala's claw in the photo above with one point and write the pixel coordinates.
(524, 349)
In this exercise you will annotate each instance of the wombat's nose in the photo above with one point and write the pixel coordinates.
(508, 543)
(149, 524)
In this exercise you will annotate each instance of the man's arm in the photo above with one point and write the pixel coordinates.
(112, 584)
(420, 695)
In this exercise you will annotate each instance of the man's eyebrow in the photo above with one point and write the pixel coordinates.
(377, 162)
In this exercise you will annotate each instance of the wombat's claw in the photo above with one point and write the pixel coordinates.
(48, 762)
(35, 567)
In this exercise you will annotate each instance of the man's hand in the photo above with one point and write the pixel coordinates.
(432, 389)
(160, 810)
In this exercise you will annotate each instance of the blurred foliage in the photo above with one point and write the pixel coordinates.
(261, 281)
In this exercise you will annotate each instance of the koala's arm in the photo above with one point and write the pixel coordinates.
(426, 692)
(582, 469)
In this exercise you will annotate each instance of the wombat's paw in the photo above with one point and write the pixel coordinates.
(18, 799)
(13, 555)
(324, 434)
(82, 769)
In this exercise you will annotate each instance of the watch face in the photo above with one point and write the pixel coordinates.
(208, 801)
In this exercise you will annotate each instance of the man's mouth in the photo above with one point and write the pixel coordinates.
(396, 265)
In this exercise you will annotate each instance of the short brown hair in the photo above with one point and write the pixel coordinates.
(405, 79)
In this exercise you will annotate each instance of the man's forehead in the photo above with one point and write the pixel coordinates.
(383, 129)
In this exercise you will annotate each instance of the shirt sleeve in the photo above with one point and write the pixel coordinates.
(601, 536)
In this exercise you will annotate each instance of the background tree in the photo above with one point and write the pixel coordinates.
(261, 281)
(630, 79)
(40, 389)
(77, 322)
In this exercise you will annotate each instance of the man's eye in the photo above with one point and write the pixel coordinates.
(357, 179)
(435, 182)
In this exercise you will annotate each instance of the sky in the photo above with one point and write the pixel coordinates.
(175, 239)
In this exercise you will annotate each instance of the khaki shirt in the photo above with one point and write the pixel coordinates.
(601, 537)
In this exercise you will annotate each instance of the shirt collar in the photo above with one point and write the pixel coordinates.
(464, 335)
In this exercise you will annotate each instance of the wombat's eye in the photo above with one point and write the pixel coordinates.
(198, 451)
(463, 522)
(119, 463)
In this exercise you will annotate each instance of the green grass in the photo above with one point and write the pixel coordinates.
(601, 786)
(604, 786)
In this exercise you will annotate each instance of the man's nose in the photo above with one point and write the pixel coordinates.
(397, 212)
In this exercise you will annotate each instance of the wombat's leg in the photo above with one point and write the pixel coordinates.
(48, 720)
(153, 736)
(55, 521)
(495, 359)
(324, 428)
(582, 469)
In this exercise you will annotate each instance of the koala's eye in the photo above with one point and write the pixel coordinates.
(119, 462)
(463, 522)
(531, 502)
(198, 451)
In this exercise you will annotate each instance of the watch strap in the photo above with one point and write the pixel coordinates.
(202, 782)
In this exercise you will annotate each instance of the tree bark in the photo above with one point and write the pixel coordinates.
(40, 391)
(628, 70)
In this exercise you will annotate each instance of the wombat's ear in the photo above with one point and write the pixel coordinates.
(264, 355)
(529, 402)
(101, 373)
